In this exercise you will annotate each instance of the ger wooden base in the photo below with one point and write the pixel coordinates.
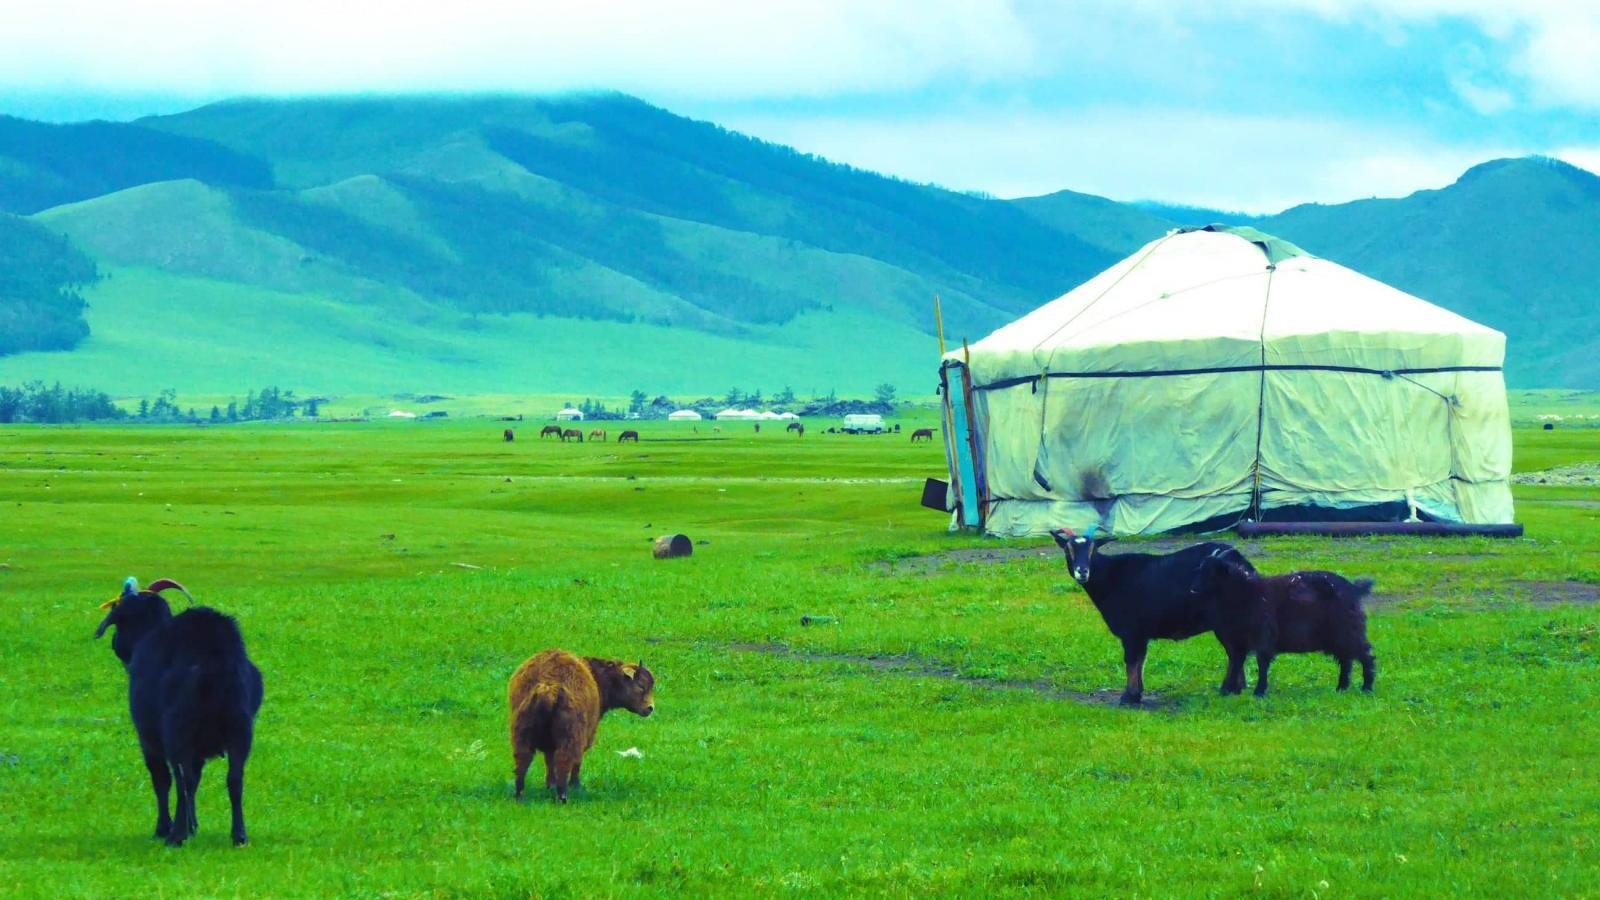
(1350, 529)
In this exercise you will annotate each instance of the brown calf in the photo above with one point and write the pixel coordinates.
(557, 700)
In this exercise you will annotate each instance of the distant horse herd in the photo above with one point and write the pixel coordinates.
(797, 429)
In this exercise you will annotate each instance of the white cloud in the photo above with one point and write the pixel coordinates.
(1554, 44)
(699, 48)
(1235, 162)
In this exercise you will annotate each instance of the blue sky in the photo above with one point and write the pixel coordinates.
(1249, 104)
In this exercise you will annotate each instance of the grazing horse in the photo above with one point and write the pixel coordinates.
(572, 434)
(549, 430)
(510, 435)
(796, 426)
(922, 434)
(628, 436)
(598, 432)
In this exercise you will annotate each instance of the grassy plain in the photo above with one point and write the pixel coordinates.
(947, 732)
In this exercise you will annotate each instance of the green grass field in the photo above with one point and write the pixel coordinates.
(947, 732)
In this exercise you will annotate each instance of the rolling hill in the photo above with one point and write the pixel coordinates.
(467, 216)
(1513, 243)
(597, 244)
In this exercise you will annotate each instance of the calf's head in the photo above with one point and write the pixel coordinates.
(625, 685)
(1079, 549)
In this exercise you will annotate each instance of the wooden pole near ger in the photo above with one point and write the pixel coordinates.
(938, 320)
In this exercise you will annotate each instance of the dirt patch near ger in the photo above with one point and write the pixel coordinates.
(1584, 473)
(1547, 593)
(914, 667)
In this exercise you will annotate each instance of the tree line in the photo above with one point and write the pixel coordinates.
(53, 404)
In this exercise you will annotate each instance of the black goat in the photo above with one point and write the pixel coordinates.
(1147, 596)
(1302, 612)
(193, 694)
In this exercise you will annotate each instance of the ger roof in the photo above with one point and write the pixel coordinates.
(1224, 296)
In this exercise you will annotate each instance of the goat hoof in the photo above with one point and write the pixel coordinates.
(240, 840)
(1130, 700)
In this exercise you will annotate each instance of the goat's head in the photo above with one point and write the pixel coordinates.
(135, 614)
(1079, 549)
(1218, 569)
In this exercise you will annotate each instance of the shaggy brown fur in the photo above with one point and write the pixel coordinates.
(557, 700)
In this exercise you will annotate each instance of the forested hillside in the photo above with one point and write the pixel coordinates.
(40, 274)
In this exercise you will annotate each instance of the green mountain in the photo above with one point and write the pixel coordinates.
(1514, 243)
(44, 165)
(1194, 215)
(595, 244)
(458, 216)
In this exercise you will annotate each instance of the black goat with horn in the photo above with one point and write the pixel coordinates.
(193, 694)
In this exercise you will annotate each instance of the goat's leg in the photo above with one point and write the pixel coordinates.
(1133, 653)
(1263, 662)
(195, 772)
(238, 754)
(161, 782)
(180, 822)
(1345, 663)
(523, 759)
(1233, 681)
(1369, 671)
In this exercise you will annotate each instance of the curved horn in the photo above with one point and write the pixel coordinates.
(105, 623)
(161, 584)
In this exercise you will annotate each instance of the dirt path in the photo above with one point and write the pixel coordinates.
(908, 666)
